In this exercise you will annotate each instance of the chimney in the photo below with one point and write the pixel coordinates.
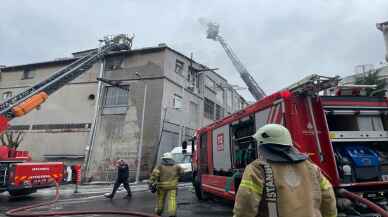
(384, 28)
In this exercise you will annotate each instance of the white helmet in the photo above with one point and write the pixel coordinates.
(167, 155)
(273, 134)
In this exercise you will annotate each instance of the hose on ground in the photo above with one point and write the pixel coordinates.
(22, 211)
(371, 205)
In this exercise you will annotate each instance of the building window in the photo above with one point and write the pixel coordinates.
(192, 77)
(220, 95)
(113, 63)
(177, 102)
(209, 83)
(27, 74)
(228, 99)
(179, 67)
(194, 113)
(115, 96)
(219, 112)
(208, 109)
(7, 95)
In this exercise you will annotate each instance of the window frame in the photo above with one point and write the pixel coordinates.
(118, 104)
(208, 104)
(179, 67)
(27, 74)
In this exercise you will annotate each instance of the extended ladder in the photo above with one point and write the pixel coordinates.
(65, 75)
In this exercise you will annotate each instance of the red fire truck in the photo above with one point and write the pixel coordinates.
(20, 176)
(345, 134)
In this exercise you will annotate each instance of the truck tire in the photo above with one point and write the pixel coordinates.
(201, 195)
(21, 192)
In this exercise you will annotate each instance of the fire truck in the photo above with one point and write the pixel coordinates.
(343, 131)
(20, 176)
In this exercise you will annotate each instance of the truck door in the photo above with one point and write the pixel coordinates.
(203, 154)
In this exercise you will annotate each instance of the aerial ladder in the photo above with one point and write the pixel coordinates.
(34, 96)
(253, 87)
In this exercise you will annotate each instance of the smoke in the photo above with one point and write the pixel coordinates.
(204, 21)
(212, 28)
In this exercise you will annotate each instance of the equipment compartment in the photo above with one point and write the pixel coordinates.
(362, 161)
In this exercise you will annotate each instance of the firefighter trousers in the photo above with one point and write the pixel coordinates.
(161, 195)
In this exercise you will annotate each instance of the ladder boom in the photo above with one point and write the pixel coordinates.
(253, 87)
(60, 78)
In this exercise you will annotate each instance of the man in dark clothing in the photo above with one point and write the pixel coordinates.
(122, 178)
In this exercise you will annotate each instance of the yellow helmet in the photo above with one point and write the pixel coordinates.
(273, 134)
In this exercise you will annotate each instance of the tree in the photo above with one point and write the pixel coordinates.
(12, 139)
(372, 78)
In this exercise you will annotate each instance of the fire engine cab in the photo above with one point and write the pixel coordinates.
(344, 133)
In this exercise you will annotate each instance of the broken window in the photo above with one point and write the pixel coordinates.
(179, 67)
(115, 96)
(27, 74)
(7, 95)
(208, 109)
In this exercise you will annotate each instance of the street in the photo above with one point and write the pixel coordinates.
(91, 198)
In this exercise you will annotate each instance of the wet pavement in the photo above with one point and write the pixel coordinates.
(91, 198)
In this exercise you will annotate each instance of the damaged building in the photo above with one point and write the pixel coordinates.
(94, 123)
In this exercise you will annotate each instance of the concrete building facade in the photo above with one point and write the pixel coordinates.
(92, 123)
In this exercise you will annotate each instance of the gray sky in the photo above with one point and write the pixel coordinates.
(279, 41)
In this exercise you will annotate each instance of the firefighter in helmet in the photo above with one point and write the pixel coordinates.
(165, 177)
(282, 182)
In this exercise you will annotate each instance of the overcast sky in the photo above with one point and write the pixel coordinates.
(278, 41)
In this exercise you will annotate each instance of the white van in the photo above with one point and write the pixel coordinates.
(183, 160)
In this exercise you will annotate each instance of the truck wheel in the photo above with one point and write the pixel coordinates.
(201, 195)
(21, 192)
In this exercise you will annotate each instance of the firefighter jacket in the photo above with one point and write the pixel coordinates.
(166, 176)
(302, 191)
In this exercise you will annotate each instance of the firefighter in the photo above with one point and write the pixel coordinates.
(282, 182)
(165, 177)
(122, 178)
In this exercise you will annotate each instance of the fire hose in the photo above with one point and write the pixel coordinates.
(22, 211)
(355, 197)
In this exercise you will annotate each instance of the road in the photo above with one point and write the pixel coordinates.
(90, 198)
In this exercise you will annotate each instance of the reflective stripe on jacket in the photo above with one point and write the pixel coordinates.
(302, 191)
(166, 176)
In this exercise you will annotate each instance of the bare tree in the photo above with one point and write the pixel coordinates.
(12, 139)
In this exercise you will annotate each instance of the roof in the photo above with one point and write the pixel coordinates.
(65, 61)
(76, 55)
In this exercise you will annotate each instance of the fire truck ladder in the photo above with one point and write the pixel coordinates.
(253, 87)
(313, 84)
(67, 74)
